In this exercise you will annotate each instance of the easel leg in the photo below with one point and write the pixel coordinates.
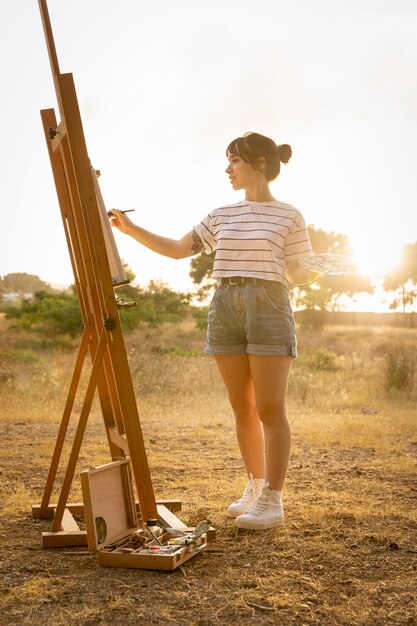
(64, 423)
(76, 446)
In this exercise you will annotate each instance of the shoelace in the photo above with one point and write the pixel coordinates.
(252, 484)
(260, 505)
(249, 493)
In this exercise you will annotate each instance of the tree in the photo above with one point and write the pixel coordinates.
(157, 303)
(403, 280)
(323, 294)
(49, 314)
(59, 314)
(200, 273)
(23, 283)
(332, 242)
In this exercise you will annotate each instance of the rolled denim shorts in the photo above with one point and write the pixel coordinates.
(251, 319)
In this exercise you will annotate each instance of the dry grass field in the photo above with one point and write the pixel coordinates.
(348, 552)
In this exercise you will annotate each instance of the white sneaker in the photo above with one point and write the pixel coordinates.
(252, 491)
(266, 512)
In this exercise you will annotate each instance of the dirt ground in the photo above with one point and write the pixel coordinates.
(328, 565)
(347, 555)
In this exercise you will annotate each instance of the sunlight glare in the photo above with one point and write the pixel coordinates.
(376, 258)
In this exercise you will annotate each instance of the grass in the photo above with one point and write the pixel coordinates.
(347, 554)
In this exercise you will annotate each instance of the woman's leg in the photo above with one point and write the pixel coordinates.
(269, 375)
(236, 373)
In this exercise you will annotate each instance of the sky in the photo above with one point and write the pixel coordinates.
(164, 86)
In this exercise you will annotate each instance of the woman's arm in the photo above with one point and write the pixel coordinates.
(297, 275)
(175, 249)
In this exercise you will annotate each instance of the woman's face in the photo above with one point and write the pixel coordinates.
(241, 174)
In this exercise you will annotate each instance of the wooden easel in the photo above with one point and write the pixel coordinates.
(102, 336)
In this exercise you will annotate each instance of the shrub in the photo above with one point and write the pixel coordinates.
(299, 386)
(200, 317)
(26, 356)
(322, 359)
(56, 315)
(64, 343)
(400, 364)
(49, 314)
(156, 305)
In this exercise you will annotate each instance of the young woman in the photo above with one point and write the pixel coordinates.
(251, 331)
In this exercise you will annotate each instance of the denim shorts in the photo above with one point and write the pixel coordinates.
(251, 319)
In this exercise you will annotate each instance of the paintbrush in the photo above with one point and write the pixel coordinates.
(109, 213)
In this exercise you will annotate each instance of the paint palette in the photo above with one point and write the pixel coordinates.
(329, 264)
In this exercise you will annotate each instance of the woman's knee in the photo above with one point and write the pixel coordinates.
(271, 412)
(245, 413)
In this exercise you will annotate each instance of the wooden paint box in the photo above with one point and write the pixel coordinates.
(112, 524)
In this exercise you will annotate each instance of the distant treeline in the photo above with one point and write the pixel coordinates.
(35, 305)
(356, 318)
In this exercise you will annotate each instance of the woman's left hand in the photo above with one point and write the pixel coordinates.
(297, 275)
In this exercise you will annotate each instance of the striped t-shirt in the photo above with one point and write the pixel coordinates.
(254, 239)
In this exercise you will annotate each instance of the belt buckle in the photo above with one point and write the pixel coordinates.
(237, 282)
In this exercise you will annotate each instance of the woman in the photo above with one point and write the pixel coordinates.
(251, 331)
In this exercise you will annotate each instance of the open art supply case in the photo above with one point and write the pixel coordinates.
(115, 531)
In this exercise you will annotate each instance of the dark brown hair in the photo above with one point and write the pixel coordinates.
(253, 146)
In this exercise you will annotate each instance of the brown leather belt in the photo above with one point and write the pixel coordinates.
(243, 280)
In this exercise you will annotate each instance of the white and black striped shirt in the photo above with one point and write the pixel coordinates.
(254, 239)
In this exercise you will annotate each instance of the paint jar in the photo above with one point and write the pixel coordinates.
(153, 528)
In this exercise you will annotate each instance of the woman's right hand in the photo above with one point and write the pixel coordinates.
(120, 221)
(175, 249)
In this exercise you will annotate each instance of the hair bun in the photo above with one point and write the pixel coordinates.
(284, 152)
